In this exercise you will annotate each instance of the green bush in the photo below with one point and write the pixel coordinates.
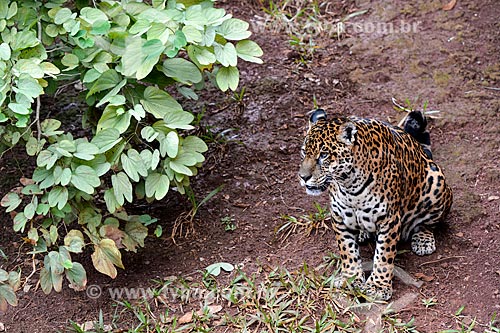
(124, 54)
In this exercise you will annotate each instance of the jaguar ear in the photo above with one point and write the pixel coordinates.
(318, 114)
(347, 133)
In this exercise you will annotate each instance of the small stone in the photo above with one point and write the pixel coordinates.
(2, 327)
(444, 265)
(493, 197)
(475, 244)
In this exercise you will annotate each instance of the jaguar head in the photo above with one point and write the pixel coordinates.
(326, 152)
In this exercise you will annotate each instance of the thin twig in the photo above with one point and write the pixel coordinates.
(439, 260)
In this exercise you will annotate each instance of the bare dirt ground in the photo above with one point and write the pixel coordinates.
(450, 59)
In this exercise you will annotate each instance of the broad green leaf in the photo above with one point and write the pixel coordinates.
(157, 185)
(89, 217)
(158, 231)
(134, 165)
(70, 61)
(122, 188)
(29, 210)
(33, 146)
(193, 35)
(140, 26)
(86, 150)
(27, 86)
(63, 15)
(20, 108)
(110, 200)
(42, 209)
(135, 233)
(49, 69)
(189, 158)
(159, 103)
(92, 15)
(58, 196)
(172, 144)
(178, 119)
(74, 241)
(30, 67)
(148, 133)
(77, 276)
(112, 93)
(234, 29)
(47, 159)
(20, 222)
(11, 200)
(195, 17)
(91, 75)
(226, 54)
(201, 55)
(7, 295)
(53, 234)
(180, 168)
(155, 159)
(106, 256)
(49, 127)
(176, 42)
(114, 117)
(51, 273)
(4, 275)
(194, 143)
(228, 77)
(187, 92)
(109, 79)
(215, 269)
(31, 189)
(138, 112)
(181, 70)
(24, 39)
(85, 179)
(140, 57)
(151, 51)
(249, 51)
(4, 51)
(33, 235)
(106, 139)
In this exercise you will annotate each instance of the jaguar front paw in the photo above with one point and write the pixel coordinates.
(345, 282)
(376, 292)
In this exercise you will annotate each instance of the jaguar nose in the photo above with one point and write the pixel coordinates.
(305, 178)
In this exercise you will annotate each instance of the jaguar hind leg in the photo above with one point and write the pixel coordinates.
(423, 242)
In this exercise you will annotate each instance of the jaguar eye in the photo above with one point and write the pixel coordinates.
(323, 155)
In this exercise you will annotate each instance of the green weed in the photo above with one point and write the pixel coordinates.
(305, 224)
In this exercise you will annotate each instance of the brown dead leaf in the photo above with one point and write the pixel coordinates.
(450, 5)
(188, 317)
(459, 234)
(424, 277)
(26, 181)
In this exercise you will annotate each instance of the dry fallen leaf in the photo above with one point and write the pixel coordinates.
(188, 317)
(450, 5)
(424, 277)
(26, 181)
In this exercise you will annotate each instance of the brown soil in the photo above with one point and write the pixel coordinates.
(452, 60)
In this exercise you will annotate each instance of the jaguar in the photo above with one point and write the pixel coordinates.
(382, 183)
